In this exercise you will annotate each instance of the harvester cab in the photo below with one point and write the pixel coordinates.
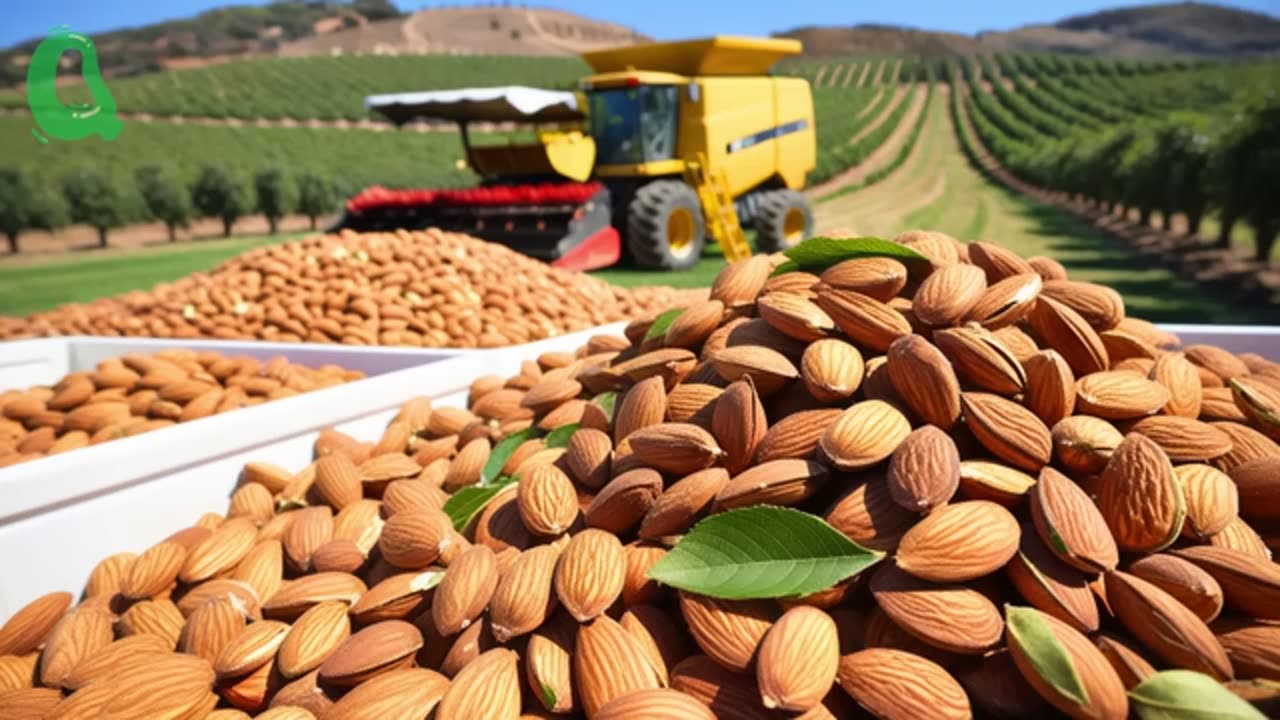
(663, 147)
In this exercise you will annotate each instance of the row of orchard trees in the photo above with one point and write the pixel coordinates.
(1225, 162)
(87, 197)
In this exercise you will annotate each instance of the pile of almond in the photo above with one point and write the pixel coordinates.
(1069, 505)
(140, 392)
(417, 289)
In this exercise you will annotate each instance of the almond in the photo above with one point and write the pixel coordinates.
(739, 282)
(1140, 498)
(489, 687)
(252, 647)
(795, 436)
(663, 641)
(670, 364)
(220, 552)
(546, 499)
(1179, 377)
(608, 663)
(695, 324)
(798, 660)
(312, 528)
(996, 261)
(729, 631)
(173, 687)
(777, 482)
(587, 457)
(1071, 525)
(314, 636)
(377, 649)
(465, 591)
(654, 704)
(622, 504)
(1084, 443)
(924, 471)
(152, 617)
(832, 370)
(1249, 584)
(1246, 444)
(1100, 306)
(867, 321)
(1063, 329)
(252, 501)
(1130, 665)
(1165, 626)
(960, 542)
(398, 597)
(1006, 301)
(768, 369)
(1216, 360)
(210, 628)
(1050, 388)
(892, 683)
(1008, 430)
(590, 574)
(1211, 499)
(1187, 583)
(879, 277)
(738, 424)
(1184, 439)
(414, 539)
(868, 515)
(79, 634)
(1254, 648)
(549, 393)
(980, 359)
(1051, 585)
(951, 617)
(795, 316)
(548, 663)
(523, 598)
(1117, 395)
(411, 692)
(1260, 403)
(924, 378)
(105, 662)
(676, 509)
(678, 448)
(1104, 693)
(691, 402)
(297, 596)
(948, 294)
(983, 480)
(154, 571)
(1258, 482)
(864, 434)
(338, 481)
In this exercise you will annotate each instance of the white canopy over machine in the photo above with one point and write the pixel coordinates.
(512, 103)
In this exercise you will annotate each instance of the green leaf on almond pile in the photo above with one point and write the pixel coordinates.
(763, 551)
(466, 502)
(1188, 695)
(821, 252)
(661, 323)
(502, 453)
(559, 437)
(1027, 628)
(606, 400)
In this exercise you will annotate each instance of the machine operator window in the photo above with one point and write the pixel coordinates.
(635, 124)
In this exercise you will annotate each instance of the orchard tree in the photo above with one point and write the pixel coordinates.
(217, 194)
(94, 201)
(1142, 174)
(164, 199)
(15, 205)
(1249, 173)
(315, 197)
(1188, 145)
(274, 199)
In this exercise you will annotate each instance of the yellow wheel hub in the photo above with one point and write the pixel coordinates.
(681, 232)
(793, 226)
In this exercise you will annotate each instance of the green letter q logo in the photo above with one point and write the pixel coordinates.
(80, 120)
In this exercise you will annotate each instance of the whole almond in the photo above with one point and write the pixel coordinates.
(1051, 387)
(1105, 696)
(152, 617)
(1117, 395)
(1071, 525)
(106, 661)
(1128, 663)
(220, 552)
(1052, 586)
(879, 277)
(608, 663)
(948, 294)
(1259, 402)
(679, 448)
(297, 596)
(694, 324)
(338, 481)
(996, 482)
(254, 501)
(768, 369)
(729, 631)
(951, 617)
(867, 321)
(676, 509)
(1084, 443)
(864, 434)
(798, 660)
(253, 646)
(739, 283)
(546, 499)
(654, 704)
(1211, 498)
(314, 636)
(795, 436)
(795, 316)
(738, 424)
(548, 663)
(831, 369)
(1239, 535)
(1066, 331)
(79, 634)
(892, 683)
(925, 380)
(623, 503)
(1101, 306)
(465, 591)
(1247, 444)
(1249, 584)
(1216, 360)
(107, 577)
(1184, 439)
(924, 471)
(524, 597)
(411, 692)
(210, 628)
(489, 687)
(1165, 626)
(693, 402)
(414, 539)
(312, 528)
(377, 649)
(1258, 483)
(590, 574)
(980, 359)
(1008, 430)
(960, 542)
(1140, 498)
(868, 515)
(1186, 582)
(1007, 301)
(777, 482)
(587, 457)
(175, 686)
(1254, 648)
(1179, 377)
(154, 571)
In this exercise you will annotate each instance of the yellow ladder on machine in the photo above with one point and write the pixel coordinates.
(718, 207)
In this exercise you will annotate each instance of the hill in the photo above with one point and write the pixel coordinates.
(1193, 29)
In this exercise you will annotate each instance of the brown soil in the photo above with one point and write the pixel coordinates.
(898, 93)
(880, 155)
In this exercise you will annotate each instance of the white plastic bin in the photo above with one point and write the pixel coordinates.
(60, 515)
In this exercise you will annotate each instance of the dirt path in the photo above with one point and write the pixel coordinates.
(880, 155)
(871, 103)
(879, 72)
(898, 96)
(817, 78)
(39, 246)
(848, 75)
(866, 70)
(1230, 272)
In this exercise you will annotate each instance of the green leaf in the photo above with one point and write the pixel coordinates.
(1050, 660)
(548, 696)
(761, 551)
(606, 400)
(821, 252)
(1188, 695)
(464, 504)
(502, 453)
(661, 323)
(559, 437)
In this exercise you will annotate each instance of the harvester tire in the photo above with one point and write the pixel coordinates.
(665, 227)
(783, 220)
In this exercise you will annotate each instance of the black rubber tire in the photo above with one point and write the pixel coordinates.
(647, 218)
(771, 236)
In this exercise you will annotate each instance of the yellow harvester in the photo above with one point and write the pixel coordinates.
(663, 146)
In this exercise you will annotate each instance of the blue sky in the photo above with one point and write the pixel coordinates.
(663, 19)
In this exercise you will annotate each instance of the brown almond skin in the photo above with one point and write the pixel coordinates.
(925, 380)
(608, 663)
(1140, 498)
(893, 683)
(863, 435)
(548, 662)
(1107, 698)
(1186, 582)
(623, 503)
(411, 692)
(376, 649)
(1131, 666)
(489, 686)
(796, 435)
(1165, 626)
(738, 424)
(524, 597)
(590, 574)
(869, 516)
(730, 631)
(80, 633)
(681, 504)
(1250, 584)
(312, 638)
(587, 457)
(777, 482)
(799, 658)
(1051, 585)
(1008, 430)
(465, 591)
(1212, 500)
(1070, 524)
(924, 471)
(547, 501)
(654, 704)
(960, 542)
(950, 617)
(414, 539)
(643, 405)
